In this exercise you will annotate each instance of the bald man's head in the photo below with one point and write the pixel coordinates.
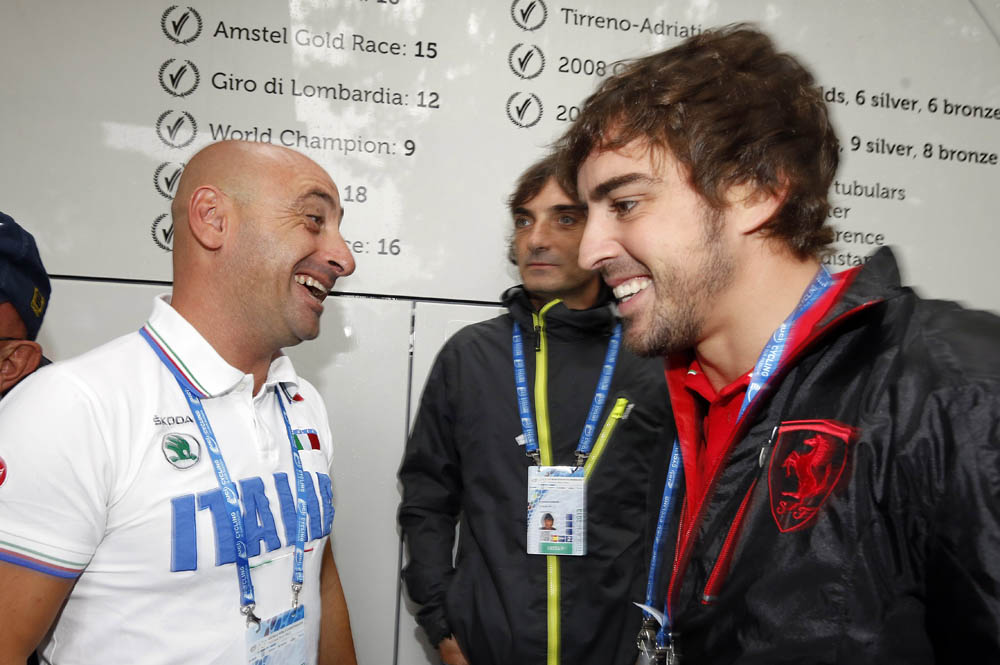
(257, 240)
(235, 168)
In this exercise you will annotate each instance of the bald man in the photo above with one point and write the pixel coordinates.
(178, 507)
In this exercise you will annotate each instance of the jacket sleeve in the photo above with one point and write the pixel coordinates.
(432, 486)
(963, 586)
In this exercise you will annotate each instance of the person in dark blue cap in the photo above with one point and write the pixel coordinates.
(24, 297)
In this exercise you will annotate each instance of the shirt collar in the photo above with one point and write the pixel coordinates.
(696, 381)
(189, 355)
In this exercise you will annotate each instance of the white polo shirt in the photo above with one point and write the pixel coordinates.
(104, 477)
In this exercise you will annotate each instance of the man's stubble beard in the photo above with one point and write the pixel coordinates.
(677, 316)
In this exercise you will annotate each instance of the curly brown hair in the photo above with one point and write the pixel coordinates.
(732, 110)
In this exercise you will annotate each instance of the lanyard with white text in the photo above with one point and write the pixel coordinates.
(600, 395)
(229, 492)
(300, 506)
(767, 363)
(770, 357)
(662, 636)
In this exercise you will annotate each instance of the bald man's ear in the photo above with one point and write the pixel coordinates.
(18, 359)
(208, 212)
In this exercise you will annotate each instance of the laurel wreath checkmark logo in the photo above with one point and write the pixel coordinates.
(526, 61)
(162, 232)
(529, 15)
(524, 109)
(176, 129)
(179, 77)
(181, 25)
(166, 177)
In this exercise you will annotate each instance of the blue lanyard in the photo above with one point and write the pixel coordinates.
(770, 357)
(229, 492)
(600, 395)
(767, 363)
(298, 560)
(673, 476)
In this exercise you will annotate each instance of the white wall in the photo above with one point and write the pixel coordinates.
(84, 164)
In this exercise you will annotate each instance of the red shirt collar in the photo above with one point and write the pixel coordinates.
(685, 380)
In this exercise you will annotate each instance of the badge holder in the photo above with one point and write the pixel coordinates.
(557, 511)
(279, 640)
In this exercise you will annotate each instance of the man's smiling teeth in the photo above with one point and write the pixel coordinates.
(315, 288)
(626, 290)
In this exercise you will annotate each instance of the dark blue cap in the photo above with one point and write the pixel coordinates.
(23, 280)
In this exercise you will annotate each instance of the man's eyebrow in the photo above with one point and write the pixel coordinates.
(610, 185)
(319, 193)
(559, 207)
(569, 207)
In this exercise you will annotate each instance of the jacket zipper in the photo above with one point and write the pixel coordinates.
(683, 551)
(553, 591)
(542, 383)
(618, 413)
(721, 568)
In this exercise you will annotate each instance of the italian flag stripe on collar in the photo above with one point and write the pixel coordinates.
(169, 356)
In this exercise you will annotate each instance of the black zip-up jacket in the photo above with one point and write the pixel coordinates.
(866, 529)
(462, 459)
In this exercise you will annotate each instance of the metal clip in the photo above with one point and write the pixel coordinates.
(296, 588)
(668, 654)
(665, 656)
(247, 611)
(645, 641)
(762, 458)
(581, 459)
(536, 457)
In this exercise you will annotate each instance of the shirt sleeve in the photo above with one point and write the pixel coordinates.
(55, 474)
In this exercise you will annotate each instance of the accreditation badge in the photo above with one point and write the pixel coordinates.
(279, 640)
(557, 510)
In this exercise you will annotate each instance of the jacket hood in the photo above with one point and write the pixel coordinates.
(560, 321)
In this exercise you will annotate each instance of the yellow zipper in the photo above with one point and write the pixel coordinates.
(545, 453)
(542, 384)
(555, 631)
(606, 431)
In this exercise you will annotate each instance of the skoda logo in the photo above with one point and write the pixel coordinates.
(181, 450)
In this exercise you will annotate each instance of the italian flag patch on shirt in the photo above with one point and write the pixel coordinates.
(306, 439)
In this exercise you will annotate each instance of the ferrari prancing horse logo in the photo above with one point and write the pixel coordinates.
(808, 460)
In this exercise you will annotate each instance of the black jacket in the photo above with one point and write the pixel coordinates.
(462, 458)
(871, 532)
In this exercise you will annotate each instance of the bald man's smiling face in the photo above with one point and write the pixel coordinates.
(289, 250)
